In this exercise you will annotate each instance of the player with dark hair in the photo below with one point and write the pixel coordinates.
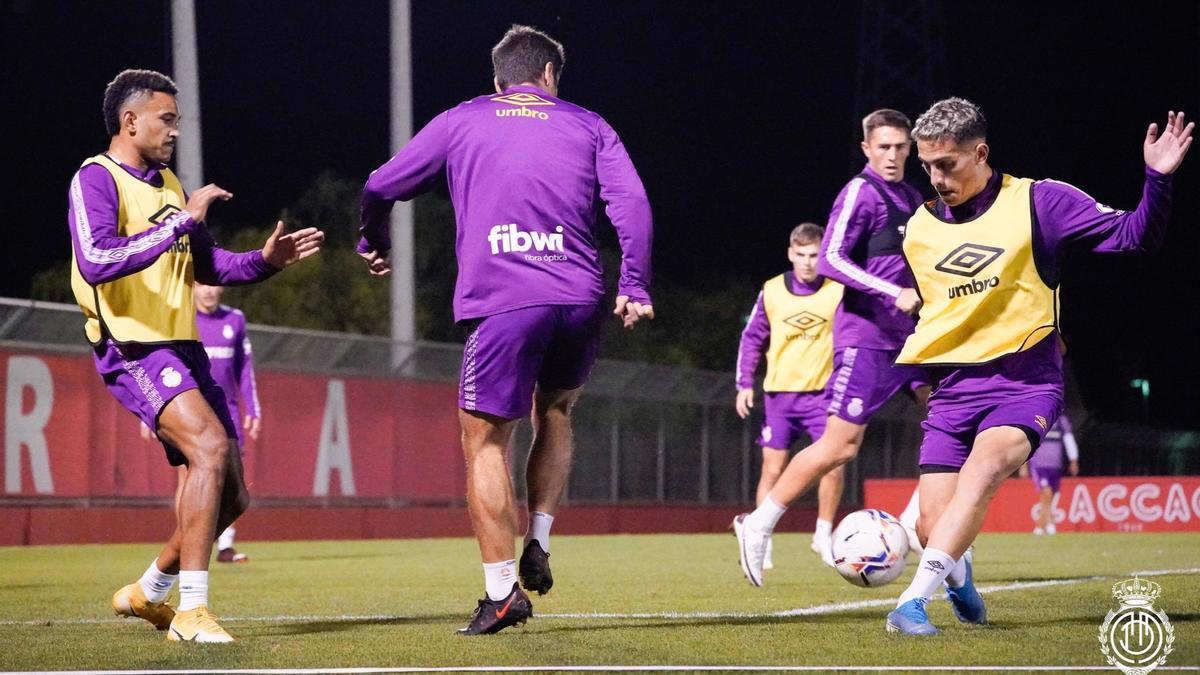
(526, 170)
(861, 250)
(792, 321)
(223, 334)
(138, 241)
(987, 257)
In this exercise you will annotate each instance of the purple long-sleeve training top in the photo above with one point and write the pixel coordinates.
(526, 173)
(868, 316)
(756, 336)
(1067, 217)
(223, 334)
(104, 254)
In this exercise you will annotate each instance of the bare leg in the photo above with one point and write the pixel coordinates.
(838, 445)
(996, 454)
(211, 492)
(189, 424)
(1046, 498)
(934, 492)
(829, 493)
(552, 449)
(490, 498)
(773, 462)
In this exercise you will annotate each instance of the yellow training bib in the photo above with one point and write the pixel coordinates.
(983, 295)
(155, 304)
(800, 355)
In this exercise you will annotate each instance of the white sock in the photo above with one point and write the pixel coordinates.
(934, 567)
(156, 584)
(908, 517)
(226, 539)
(766, 516)
(498, 578)
(193, 589)
(958, 573)
(539, 529)
(824, 528)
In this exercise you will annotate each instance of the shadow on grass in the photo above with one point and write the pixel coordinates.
(827, 620)
(341, 625)
(348, 556)
(1088, 622)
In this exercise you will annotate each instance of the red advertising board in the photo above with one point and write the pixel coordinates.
(66, 437)
(1100, 504)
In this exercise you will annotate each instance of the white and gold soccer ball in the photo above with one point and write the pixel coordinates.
(870, 548)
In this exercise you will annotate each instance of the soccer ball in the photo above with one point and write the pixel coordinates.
(870, 548)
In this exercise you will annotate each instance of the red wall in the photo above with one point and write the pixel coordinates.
(403, 436)
(107, 485)
(1103, 504)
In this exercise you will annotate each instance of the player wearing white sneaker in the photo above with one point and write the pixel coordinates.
(1045, 467)
(862, 250)
(792, 321)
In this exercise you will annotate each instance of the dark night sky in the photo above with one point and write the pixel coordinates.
(738, 115)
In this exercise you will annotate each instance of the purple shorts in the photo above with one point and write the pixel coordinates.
(864, 379)
(1045, 477)
(950, 430)
(145, 378)
(551, 346)
(790, 415)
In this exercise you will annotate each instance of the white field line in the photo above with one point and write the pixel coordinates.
(605, 669)
(814, 610)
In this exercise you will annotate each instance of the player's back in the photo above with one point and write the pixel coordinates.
(523, 152)
(525, 171)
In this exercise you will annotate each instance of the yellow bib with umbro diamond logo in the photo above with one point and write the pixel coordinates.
(800, 355)
(982, 295)
(155, 304)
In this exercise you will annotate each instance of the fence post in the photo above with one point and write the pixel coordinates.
(614, 454)
(705, 451)
(660, 469)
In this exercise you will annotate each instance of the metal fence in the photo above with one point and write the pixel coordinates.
(644, 433)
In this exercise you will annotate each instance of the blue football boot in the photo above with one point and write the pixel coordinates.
(911, 619)
(965, 600)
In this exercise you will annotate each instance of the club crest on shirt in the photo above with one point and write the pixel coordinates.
(227, 332)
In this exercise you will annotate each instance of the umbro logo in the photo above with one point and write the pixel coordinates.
(969, 260)
(164, 213)
(935, 566)
(805, 321)
(522, 98)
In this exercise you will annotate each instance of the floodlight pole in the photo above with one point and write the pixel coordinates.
(189, 152)
(404, 328)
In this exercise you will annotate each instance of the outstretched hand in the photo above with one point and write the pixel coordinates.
(379, 264)
(1164, 153)
(199, 201)
(631, 312)
(284, 250)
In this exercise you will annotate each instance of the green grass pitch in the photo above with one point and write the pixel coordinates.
(674, 599)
